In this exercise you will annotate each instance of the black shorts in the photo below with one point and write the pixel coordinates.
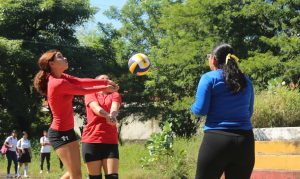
(98, 151)
(59, 138)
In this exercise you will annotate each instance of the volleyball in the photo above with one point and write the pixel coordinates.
(139, 64)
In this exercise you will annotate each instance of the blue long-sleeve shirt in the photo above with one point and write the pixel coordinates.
(224, 110)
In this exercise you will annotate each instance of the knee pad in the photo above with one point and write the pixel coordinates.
(95, 176)
(112, 176)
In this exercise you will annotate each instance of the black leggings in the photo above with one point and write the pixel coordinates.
(43, 156)
(11, 156)
(231, 152)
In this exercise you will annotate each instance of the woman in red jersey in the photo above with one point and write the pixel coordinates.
(60, 89)
(100, 136)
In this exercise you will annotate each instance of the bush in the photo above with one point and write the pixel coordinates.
(277, 107)
(162, 156)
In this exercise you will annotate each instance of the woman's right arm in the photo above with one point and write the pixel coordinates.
(19, 148)
(203, 95)
(42, 141)
(6, 142)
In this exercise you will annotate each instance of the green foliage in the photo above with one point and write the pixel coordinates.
(38, 25)
(263, 67)
(17, 107)
(160, 145)
(43, 20)
(278, 107)
(177, 35)
(162, 156)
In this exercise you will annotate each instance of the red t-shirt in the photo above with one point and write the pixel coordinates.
(60, 94)
(97, 129)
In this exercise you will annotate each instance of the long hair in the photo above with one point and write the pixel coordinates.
(233, 76)
(41, 78)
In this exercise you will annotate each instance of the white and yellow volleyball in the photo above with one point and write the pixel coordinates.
(139, 64)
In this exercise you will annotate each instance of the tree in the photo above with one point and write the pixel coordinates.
(30, 28)
(177, 35)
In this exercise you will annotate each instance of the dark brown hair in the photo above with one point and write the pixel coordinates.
(41, 78)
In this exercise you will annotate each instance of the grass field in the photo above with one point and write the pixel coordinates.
(130, 166)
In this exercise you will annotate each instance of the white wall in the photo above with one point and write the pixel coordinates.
(277, 133)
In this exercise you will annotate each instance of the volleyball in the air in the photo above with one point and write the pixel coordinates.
(139, 64)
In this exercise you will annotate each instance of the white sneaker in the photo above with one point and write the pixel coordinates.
(26, 176)
(41, 171)
(8, 176)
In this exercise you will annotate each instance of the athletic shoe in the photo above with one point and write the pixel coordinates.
(8, 176)
(41, 171)
(26, 176)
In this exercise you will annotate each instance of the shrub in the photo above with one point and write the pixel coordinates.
(277, 107)
(162, 156)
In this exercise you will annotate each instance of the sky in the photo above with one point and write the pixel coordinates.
(103, 5)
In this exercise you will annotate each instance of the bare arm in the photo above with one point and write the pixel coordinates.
(99, 111)
(114, 110)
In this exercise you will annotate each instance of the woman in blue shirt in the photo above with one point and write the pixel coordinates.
(225, 96)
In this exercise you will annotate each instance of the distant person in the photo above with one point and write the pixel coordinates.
(100, 136)
(11, 154)
(45, 151)
(24, 151)
(59, 87)
(225, 95)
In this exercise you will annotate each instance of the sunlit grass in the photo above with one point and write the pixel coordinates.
(130, 166)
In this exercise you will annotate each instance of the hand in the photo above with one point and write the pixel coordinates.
(112, 83)
(114, 114)
(113, 118)
(110, 120)
(111, 88)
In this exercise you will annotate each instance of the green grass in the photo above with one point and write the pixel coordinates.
(130, 166)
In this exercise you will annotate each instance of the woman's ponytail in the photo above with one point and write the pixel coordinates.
(233, 76)
(41, 82)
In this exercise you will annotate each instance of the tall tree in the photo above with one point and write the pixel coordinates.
(38, 25)
(177, 35)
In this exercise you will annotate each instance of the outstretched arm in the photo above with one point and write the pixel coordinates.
(85, 81)
(68, 88)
